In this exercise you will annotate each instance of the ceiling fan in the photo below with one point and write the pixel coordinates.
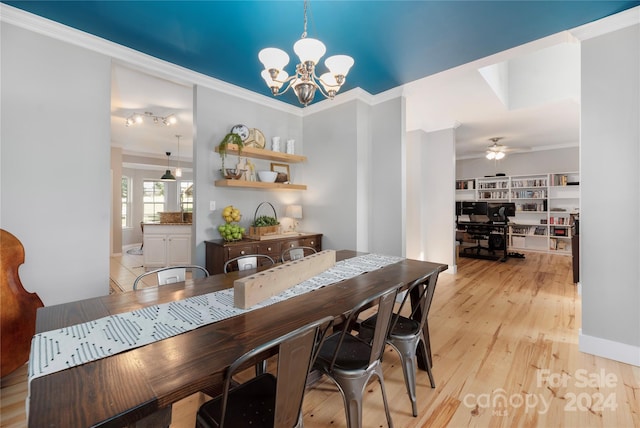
(496, 151)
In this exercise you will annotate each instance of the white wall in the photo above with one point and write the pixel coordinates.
(539, 162)
(609, 228)
(430, 198)
(334, 172)
(215, 113)
(55, 184)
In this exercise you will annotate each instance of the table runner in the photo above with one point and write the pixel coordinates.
(60, 349)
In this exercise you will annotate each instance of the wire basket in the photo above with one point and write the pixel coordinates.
(262, 231)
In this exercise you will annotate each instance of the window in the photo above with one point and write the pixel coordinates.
(125, 193)
(153, 199)
(186, 196)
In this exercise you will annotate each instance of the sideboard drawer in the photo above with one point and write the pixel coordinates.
(240, 250)
(271, 249)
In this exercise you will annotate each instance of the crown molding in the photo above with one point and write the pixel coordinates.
(134, 59)
(606, 25)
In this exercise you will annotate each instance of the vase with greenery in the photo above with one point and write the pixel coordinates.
(230, 138)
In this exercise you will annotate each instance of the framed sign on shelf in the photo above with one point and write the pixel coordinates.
(281, 168)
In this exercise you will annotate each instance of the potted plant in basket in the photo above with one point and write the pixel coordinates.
(230, 138)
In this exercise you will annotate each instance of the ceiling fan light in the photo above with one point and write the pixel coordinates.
(499, 155)
(491, 155)
(309, 50)
(339, 65)
(273, 58)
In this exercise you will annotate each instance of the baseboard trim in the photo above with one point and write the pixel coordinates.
(616, 351)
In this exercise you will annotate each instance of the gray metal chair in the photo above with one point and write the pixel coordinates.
(171, 274)
(351, 361)
(406, 333)
(267, 400)
(249, 261)
(295, 253)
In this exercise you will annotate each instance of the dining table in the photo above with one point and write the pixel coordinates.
(137, 387)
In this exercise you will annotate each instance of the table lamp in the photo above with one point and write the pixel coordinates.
(294, 212)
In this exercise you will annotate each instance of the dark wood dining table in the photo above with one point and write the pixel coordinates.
(138, 387)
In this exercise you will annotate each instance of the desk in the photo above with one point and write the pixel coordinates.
(502, 228)
(124, 388)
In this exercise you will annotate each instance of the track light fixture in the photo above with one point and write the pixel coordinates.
(139, 118)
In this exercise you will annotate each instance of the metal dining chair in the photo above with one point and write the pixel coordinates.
(267, 400)
(406, 333)
(171, 274)
(351, 361)
(249, 261)
(295, 253)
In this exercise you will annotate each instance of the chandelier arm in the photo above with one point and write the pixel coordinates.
(286, 84)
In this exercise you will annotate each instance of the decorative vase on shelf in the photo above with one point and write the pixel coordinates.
(290, 146)
(275, 144)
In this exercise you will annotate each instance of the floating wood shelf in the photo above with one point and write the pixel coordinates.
(259, 184)
(252, 152)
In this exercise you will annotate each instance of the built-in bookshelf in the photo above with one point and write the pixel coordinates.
(545, 207)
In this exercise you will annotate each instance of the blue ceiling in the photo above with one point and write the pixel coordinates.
(392, 42)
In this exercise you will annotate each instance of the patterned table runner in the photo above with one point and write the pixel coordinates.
(57, 350)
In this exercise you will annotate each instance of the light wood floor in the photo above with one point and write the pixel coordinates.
(505, 345)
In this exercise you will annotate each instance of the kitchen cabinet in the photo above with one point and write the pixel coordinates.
(219, 251)
(166, 245)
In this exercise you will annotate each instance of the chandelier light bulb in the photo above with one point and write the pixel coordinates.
(309, 50)
(277, 84)
(273, 59)
(339, 65)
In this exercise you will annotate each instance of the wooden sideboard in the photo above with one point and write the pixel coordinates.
(218, 251)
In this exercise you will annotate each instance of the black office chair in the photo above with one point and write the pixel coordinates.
(351, 361)
(295, 253)
(267, 400)
(249, 261)
(171, 274)
(406, 333)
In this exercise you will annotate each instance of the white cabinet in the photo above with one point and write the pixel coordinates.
(166, 245)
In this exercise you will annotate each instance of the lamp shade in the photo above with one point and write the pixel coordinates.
(293, 211)
(309, 49)
(168, 176)
(339, 65)
(282, 77)
(273, 58)
(329, 82)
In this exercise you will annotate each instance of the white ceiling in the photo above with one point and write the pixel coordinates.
(532, 102)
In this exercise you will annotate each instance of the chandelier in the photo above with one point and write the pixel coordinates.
(138, 118)
(495, 151)
(304, 81)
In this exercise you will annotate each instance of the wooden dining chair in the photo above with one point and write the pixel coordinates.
(171, 274)
(249, 261)
(406, 333)
(351, 361)
(268, 401)
(295, 253)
